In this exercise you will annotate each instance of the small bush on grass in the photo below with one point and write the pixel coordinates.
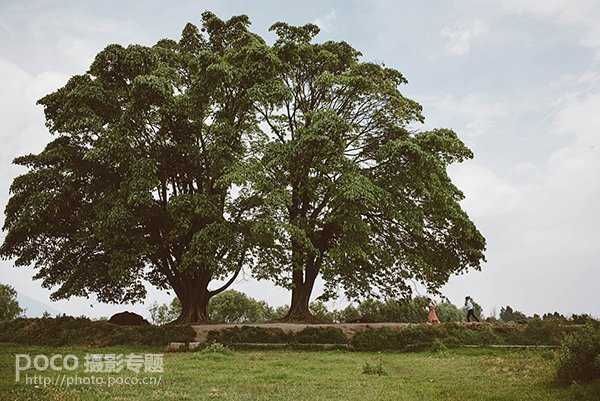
(579, 358)
(439, 348)
(374, 368)
(216, 348)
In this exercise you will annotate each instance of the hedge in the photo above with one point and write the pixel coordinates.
(416, 337)
(275, 335)
(82, 331)
(68, 330)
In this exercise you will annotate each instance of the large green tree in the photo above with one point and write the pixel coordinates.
(137, 184)
(364, 198)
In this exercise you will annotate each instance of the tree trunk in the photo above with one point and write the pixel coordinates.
(193, 294)
(299, 308)
(302, 289)
(194, 309)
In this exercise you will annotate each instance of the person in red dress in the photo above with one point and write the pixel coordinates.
(432, 317)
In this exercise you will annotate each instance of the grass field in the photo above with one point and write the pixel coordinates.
(463, 374)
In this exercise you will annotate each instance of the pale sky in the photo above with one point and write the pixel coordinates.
(518, 80)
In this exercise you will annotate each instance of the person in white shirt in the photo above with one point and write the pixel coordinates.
(470, 309)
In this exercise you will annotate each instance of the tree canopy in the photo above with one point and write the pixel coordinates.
(136, 184)
(364, 198)
(179, 163)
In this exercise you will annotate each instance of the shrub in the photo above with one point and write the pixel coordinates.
(509, 314)
(543, 332)
(374, 369)
(448, 312)
(579, 358)
(248, 334)
(406, 311)
(273, 335)
(582, 319)
(376, 339)
(216, 348)
(320, 335)
(320, 312)
(347, 315)
(232, 306)
(66, 330)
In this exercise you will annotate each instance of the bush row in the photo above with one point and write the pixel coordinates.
(410, 337)
(274, 335)
(68, 330)
(418, 337)
(82, 331)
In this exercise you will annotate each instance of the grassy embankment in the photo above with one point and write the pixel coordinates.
(455, 374)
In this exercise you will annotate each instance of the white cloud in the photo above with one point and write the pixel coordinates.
(540, 218)
(460, 37)
(476, 114)
(326, 21)
(579, 16)
(532, 188)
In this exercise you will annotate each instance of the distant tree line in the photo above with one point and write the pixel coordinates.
(508, 314)
(234, 307)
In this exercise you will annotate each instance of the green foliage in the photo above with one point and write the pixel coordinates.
(320, 335)
(372, 310)
(331, 177)
(554, 316)
(236, 307)
(67, 331)
(275, 335)
(417, 337)
(279, 312)
(320, 312)
(163, 313)
(136, 185)
(582, 319)
(448, 312)
(579, 359)
(9, 307)
(349, 314)
(439, 348)
(374, 368)
(507, 314)
(230, 306)
(362, 198)
(283, 375)
(540, 332)
(249, 334)
(216, 348)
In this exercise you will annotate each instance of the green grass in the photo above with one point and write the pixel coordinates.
(461, 374)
